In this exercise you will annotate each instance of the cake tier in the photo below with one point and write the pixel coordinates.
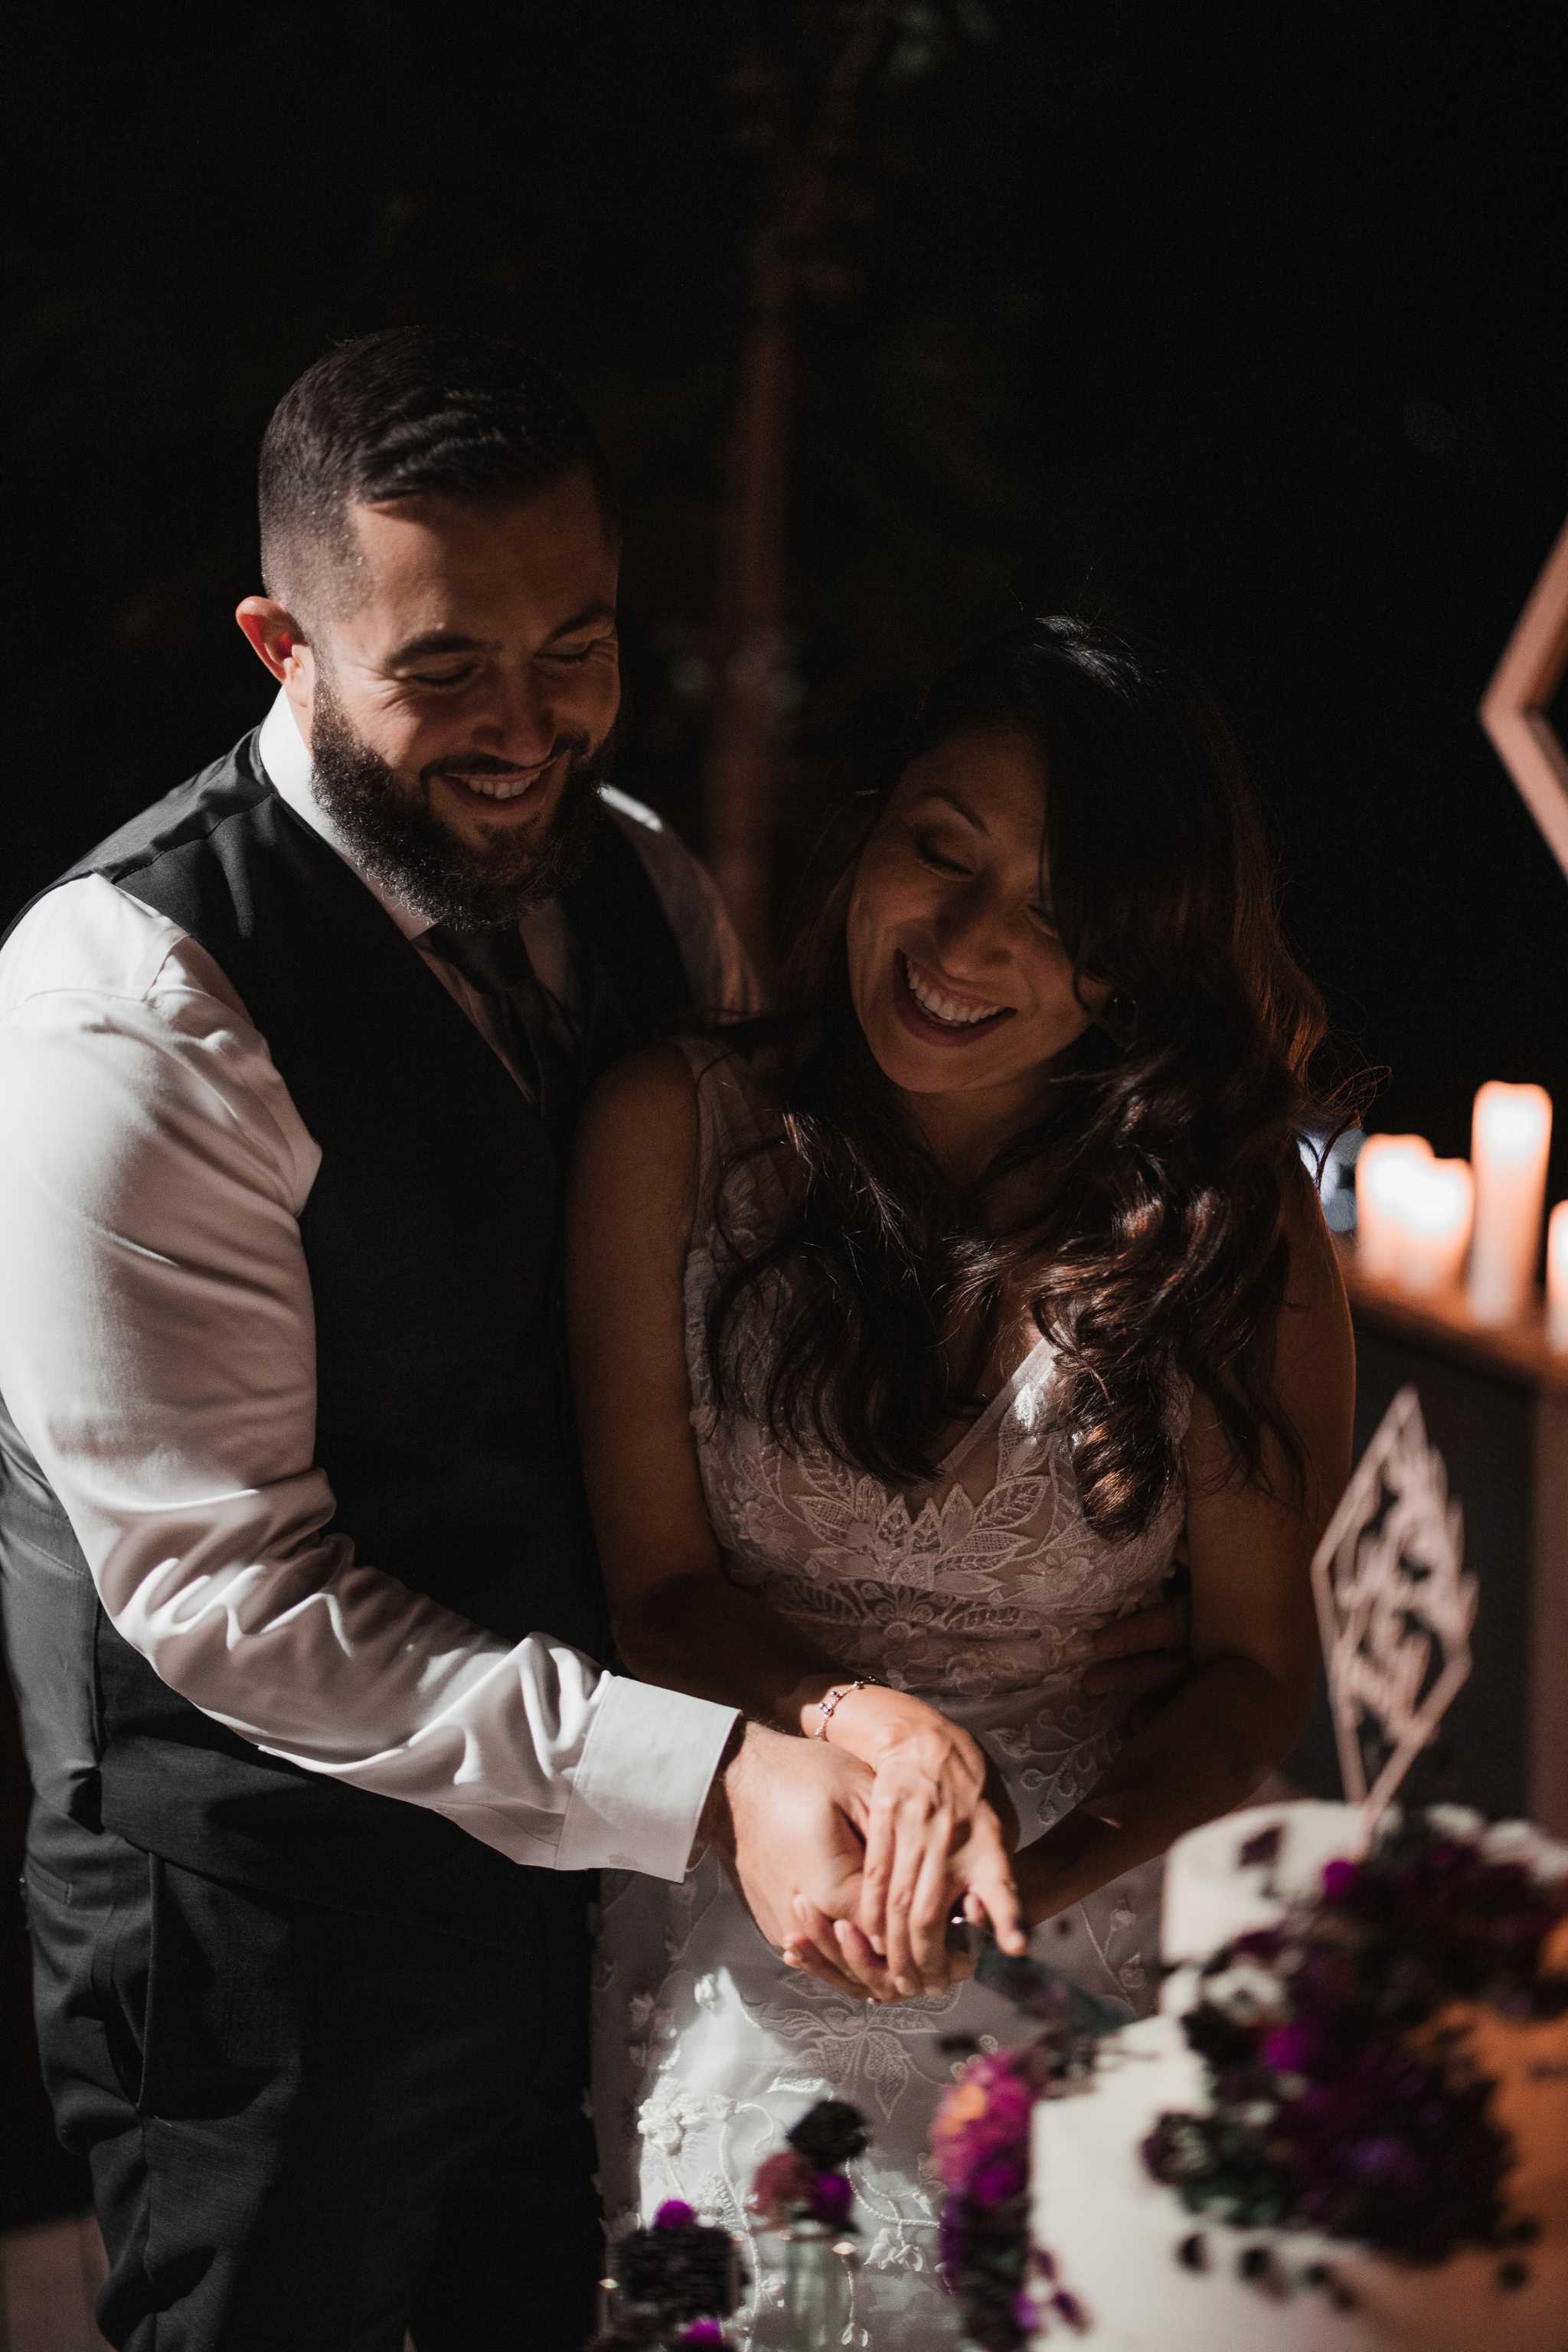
(1153, 2277)
(1212, 1895)
(1116, 2235)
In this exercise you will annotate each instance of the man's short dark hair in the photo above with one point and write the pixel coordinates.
(410, 411)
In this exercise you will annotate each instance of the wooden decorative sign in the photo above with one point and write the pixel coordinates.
(1516, 709)
(1395, 1607)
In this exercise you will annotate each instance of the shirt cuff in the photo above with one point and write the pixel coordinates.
(647, 1765)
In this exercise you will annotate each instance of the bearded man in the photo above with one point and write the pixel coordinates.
(300, 1597)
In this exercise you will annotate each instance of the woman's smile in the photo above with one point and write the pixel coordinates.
(963, 990)
(933, 1010)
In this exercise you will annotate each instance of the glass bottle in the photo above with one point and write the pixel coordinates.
(816, 2287)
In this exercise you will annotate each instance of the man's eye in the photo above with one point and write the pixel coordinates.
(452, 677)
(580, 653)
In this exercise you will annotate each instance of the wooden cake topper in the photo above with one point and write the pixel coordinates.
(1395, 1608)
(1516, 709)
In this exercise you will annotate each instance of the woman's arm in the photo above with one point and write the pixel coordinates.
(1254, 1634)
(678, 1620)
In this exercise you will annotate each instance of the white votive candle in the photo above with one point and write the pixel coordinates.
(1434, 1206)
(1512, 1133)
(1557, 1277)
(1381, 1179)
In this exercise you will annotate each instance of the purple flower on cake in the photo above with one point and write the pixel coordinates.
(1299, 2048)
(1338, 2101)
(1389, 2160)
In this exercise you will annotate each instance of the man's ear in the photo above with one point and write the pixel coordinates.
(274, 636)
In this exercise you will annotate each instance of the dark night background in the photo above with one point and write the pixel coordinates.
(1252, 338)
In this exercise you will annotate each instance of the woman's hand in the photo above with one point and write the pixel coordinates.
(935, 1834)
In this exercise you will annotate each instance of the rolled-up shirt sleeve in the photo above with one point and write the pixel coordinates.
(157, 1356)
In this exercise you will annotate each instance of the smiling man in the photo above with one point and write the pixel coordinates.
(459, 711)
(300, 1597)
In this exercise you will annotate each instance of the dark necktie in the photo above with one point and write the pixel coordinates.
(521, 1013)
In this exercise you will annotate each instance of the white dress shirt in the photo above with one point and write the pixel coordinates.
(157, 1350)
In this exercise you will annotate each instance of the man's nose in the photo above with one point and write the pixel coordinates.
(518, 723)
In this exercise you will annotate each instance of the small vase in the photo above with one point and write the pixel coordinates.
(817, 2288)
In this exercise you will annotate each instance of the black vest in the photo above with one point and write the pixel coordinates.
(431, 1236)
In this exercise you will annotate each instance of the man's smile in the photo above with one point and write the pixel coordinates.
(514, 790)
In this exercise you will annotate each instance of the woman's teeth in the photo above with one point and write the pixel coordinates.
(951, 1010)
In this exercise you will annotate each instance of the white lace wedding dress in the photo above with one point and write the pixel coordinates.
(979, 1592)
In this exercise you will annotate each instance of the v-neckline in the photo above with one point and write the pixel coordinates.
(952, 1461)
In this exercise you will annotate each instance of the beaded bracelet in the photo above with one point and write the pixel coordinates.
(828, 1707)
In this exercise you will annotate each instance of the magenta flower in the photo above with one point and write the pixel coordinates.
(985, 2116)
(1294, 2049)
(830, 2199)
(999, 2178)
(674, 2215)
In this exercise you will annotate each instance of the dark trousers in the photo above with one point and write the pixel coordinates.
(311, 2129)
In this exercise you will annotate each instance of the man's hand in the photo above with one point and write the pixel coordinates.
(790, 1823)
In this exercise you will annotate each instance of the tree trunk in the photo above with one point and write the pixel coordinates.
(754, 674)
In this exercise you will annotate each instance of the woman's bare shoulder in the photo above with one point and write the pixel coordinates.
(638, 1126)
(1314, 1277)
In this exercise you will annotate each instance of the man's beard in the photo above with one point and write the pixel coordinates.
(399, 842)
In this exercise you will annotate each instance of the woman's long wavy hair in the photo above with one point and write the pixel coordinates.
(1140, 1215)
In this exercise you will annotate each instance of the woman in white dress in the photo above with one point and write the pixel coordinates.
(911, 1329)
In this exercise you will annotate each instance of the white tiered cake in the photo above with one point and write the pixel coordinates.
(1153, 2274)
